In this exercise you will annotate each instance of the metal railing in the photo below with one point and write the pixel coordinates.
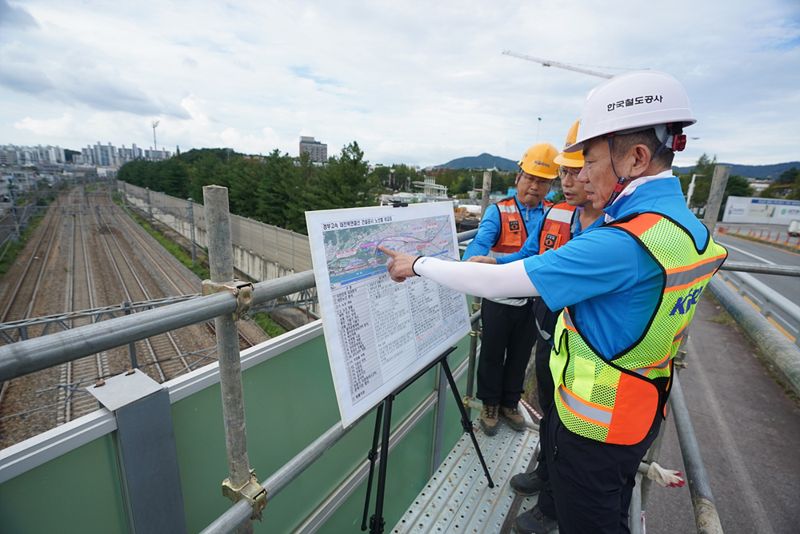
(771, 304)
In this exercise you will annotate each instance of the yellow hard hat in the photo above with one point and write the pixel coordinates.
(571, 159)
(538, 161)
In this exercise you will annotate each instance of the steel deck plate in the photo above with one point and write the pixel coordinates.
(458, 498)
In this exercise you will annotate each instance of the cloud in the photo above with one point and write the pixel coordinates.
(60, 126)
(15, 17)
(418, 83)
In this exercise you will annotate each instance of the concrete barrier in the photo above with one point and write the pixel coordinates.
(778, 350)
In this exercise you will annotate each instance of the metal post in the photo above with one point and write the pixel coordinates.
(472, 356)
(126, 306)
(220, 256)
(191, 230)
(635, 510)
(714, 203)
(11, 191)
(438, 429)
(705, 511)
(487, 190)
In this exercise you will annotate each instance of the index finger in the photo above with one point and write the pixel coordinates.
(388, 252)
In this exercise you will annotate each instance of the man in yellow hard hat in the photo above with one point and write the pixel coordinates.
(508, 323)
(628, 290)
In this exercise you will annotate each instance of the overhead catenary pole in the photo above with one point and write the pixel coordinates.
(714, 203)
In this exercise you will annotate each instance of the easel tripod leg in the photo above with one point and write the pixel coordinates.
(465, 422)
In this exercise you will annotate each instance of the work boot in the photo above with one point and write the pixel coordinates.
(488, 419)
(534, 522)
(513, 418)
(527, 483)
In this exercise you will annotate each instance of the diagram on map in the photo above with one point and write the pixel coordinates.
(379, 333)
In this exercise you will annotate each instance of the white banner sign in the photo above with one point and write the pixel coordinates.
(380, 333)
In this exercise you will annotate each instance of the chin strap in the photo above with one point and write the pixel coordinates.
(620, 179)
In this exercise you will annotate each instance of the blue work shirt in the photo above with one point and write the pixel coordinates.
(489, 229)
(606, 276)
(531, 246)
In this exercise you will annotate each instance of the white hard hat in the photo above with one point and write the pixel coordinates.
(630, 102)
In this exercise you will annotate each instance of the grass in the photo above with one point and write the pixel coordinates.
(262, 319)
(266, 323)
(173, 248)
(13, 247)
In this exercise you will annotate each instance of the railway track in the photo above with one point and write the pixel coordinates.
(87, 254)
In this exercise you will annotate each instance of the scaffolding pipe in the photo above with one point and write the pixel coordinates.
(705, 511)
(24, 357)
(220, 259)
(761, 268)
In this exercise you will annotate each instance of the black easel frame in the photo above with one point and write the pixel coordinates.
(383, 425)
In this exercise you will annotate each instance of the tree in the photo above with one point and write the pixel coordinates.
(278, 191)
(244, 177)
(346, 181)
(786, 186)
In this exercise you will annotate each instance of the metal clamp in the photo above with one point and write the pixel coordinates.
(251, 490)
(243, 291)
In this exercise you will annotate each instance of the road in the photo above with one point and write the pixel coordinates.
(748, 429)
(750, 251)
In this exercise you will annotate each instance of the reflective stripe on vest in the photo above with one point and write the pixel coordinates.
(557, 227)
(617, 400)
(513, 232)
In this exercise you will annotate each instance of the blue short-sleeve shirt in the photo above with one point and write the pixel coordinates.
(608, 278)
(489, 229)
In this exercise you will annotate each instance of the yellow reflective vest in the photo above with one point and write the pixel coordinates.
(617, 400)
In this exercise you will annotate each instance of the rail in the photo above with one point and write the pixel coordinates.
(770, 303)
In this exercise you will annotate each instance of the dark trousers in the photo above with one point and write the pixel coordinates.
(506, 343)
(545, 320)
(591, 482)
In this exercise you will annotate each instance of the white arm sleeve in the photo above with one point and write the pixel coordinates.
(478, 279)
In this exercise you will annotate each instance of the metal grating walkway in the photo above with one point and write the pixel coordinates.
(458, 499)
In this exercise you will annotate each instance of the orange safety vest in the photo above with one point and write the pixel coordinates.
(557, 227)
(512, 228)
(617, 400)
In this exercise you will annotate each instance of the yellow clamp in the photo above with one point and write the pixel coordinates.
(251, 490)
(243, 291)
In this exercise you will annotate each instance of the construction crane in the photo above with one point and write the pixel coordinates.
(550, 63)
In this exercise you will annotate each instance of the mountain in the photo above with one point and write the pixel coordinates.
(768, 172)
(484, 161)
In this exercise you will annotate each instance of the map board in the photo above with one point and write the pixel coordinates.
(378, 332)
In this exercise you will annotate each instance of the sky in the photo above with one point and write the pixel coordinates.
(414, 82)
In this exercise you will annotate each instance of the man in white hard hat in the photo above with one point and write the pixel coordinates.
(628, 289)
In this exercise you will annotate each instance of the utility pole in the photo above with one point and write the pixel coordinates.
(487, 190)
(718, 183)
(690, 190)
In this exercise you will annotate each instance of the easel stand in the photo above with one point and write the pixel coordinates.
(383, 425)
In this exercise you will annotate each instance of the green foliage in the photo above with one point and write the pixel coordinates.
(172, 247)
(737, 185)
(13, 247)
(266, 323)
(786, 186)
